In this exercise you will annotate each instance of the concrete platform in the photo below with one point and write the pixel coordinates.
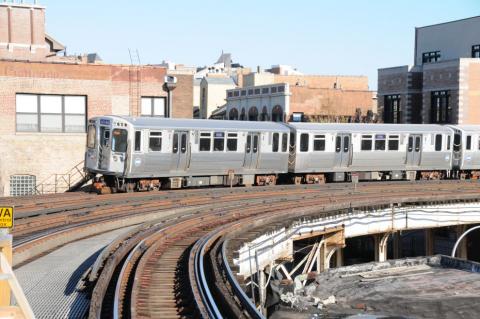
(52, 283)
(432, 287)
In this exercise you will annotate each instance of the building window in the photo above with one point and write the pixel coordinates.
(476, 51)
(253, 114)
(429, 57)
(281, 89)
(250, 92)
(277, 114)
(392, 112)
(244, 92)
(257, 91)
(233, 115)
(265, 91)
(154, 106)
(51, 113)
(229, 94)
(441, 111)
(21, 185)
(274, 89)
(236, 93)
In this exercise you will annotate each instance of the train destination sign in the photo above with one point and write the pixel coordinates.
(6, 217)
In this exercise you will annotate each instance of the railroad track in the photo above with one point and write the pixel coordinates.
(177, 262)
(177, 265)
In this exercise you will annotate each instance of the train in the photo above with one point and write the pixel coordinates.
(127, 154)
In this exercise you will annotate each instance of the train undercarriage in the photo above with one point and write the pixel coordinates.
(111, 184)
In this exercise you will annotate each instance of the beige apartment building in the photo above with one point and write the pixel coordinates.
(268, 96)
(213, 90)
(443, 85)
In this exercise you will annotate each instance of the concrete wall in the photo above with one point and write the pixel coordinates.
(325, 81)
(453, 39)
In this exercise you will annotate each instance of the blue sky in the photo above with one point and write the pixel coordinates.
(348, 37)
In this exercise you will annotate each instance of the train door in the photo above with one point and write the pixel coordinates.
(180, 151)
(104, 148)
(414, 150)
(343, 150)
(457, 150)
(252, 150)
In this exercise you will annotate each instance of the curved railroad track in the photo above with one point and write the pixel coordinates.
(177, 262)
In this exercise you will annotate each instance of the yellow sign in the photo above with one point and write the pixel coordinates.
(6, 217)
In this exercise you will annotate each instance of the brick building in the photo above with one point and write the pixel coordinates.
(46, 100)
(268, 96)
(443, 85)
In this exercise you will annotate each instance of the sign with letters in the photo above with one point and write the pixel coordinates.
(6, 217)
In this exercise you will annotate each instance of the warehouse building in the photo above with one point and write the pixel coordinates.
(443, 84)
(46, 99)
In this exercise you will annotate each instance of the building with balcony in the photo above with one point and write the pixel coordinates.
(443, 85)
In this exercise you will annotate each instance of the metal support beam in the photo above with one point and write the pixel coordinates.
(381, 241)
(429, 242)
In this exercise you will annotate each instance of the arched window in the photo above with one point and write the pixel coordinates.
(277, 114)
(242, 115)
(264, 115)
(253, 114)
(233, 115)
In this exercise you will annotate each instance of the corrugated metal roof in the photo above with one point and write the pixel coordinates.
(186, 124)
(364, 128)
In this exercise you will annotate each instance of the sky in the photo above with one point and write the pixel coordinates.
(343, 37)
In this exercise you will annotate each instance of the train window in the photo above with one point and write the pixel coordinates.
(448, 142)
(438, 142)
(366, 144)
(119, 140)
(393, 141)
(155, 142)
(218, 141)
(418, 141)
(275, 142)
(346, 143)
(456, 142)
(106, 137)
(249, 143)
(175, 143)
(232, 142)
(468, 145)
(184, 143)
(284, 142)
(92, 132)
(410, 143)
(319, 142)
(338, 144)
(138, 141)
(303, 142)
(205, 142)
(255, 143)
(380, 141)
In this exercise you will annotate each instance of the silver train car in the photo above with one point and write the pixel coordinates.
(131, 154)
(147, 153)
(370, 151)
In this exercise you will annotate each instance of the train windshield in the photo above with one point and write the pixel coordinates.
(119, 140)
(91, 136)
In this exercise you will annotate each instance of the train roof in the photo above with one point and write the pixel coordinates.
(366, 128)
(467, 128)
(198, 124)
